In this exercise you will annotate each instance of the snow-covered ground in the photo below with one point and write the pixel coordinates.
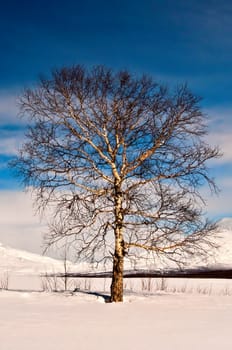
(42, 321)
(172, 314)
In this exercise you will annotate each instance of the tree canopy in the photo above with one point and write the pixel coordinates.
(120, 159)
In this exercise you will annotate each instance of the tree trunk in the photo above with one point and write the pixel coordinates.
(117, 278)
(118, 259)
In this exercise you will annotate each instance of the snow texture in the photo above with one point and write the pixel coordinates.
(197, 317)
(42, 321)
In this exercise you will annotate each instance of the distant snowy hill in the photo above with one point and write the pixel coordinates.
(218, 257)
(225, 224)
(223, 254)
(20, 261)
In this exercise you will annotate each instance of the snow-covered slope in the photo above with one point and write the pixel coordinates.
(219, 254)
(225, 224)
(222, 256)
(19, 261)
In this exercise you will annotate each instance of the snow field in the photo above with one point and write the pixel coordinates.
(162, 314)
(55, 321)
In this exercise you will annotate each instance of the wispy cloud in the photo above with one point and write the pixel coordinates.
(220, 116)
(220, 132)
(9, 110)
(9, 146)
(218, 206)
(11, 126)
(19, 227)
(16, 207)
(224, 141)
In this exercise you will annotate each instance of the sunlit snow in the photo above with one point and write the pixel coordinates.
(177, 315)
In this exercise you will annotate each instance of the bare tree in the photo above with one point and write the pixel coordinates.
(120, 160)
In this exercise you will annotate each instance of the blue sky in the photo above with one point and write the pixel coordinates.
(174, 41)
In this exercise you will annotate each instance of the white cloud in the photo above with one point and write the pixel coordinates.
(16, 207)
(10, 145)
(219, 205)
(222, 139)
(19, 227)
(9, 109)
(220, 132)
